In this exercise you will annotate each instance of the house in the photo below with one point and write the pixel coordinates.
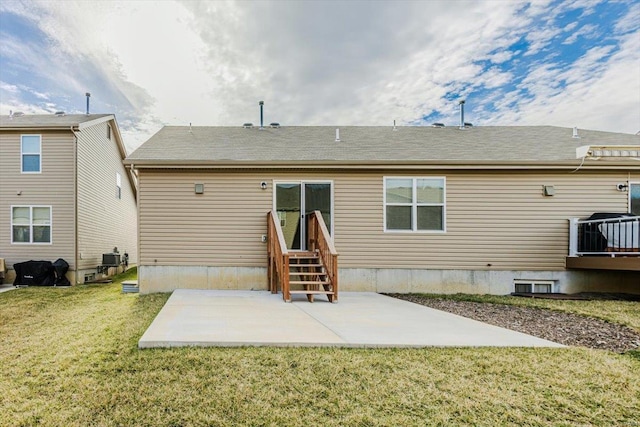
(64, 192)
(410, 209)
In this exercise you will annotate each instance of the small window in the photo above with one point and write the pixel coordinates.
(414, 204)
(31, 152)
(634, 198)
(31, 224)
(118, 186)
(534, 286)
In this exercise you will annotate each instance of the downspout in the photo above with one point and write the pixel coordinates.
(75, 204)
(139, 246)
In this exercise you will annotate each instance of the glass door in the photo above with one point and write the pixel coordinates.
(294, 201)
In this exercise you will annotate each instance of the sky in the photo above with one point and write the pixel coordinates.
(155, 63)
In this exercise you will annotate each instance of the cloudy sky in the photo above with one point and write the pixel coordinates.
(565, 63)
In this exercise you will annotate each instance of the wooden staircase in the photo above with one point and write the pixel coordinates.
(314, 272)
(307, 275)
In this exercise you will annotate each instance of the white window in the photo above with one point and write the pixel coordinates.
(414, 204)
(118, 186)
(634, 198)
(31, 224)
(30, 148)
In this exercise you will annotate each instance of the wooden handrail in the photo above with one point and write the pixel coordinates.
(320, 240)
(278, 257)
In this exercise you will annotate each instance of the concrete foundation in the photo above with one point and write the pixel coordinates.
(169, 278)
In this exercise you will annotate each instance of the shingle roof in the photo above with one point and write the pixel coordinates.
(48, 121)
(176, 145)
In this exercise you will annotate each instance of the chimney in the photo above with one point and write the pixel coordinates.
(88, 96)
(461, 102)
(261, 104)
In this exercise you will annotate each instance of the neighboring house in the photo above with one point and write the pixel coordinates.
(410, 209)
(64, 192)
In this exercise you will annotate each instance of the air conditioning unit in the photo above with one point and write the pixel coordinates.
(111, 260)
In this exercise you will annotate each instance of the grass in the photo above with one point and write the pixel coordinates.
(623, 312)
(69, 357)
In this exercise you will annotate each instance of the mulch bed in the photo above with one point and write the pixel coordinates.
(564, 328)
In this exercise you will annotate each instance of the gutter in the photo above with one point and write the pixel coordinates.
(359, 165)
(75, 203)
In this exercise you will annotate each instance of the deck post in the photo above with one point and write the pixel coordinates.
(573, 237)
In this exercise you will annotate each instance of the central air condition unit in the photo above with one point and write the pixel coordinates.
(111, 260)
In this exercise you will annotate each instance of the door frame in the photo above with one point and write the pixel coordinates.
(302, 182)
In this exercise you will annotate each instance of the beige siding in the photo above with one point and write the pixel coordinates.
(54, 187)
(104, 221)
(495, 221)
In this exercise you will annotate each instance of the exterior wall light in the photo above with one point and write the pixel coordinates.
(263, 185)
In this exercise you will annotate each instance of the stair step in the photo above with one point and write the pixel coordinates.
(308, 282)
(304, 265)
(313, 292)
(302, 254)
(307, 273)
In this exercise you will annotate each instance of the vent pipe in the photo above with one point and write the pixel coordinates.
(337, 135)
(261, 104)
(461, 102)
(575, 133)
(88, 95)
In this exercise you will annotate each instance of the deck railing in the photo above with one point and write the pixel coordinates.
(611, 236)
(278, 257)
(319, 240)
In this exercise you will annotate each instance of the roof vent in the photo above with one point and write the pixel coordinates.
(468, 125)
(274, 125)
(59, 113)
(462, 124)
(18, 114)
(247, 125)
(437, 125)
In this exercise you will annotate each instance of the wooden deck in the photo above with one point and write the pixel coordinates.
(603, 262)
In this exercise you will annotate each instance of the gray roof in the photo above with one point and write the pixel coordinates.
(369, 145)
(50, 121)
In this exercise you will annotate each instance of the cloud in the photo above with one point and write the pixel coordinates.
(318, 63)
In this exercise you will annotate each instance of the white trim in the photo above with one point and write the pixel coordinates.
(22, 153)
(629, 193)
(31, 242)
(274, 184)
(414, 205)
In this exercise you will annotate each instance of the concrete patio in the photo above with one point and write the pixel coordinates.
(359, 319)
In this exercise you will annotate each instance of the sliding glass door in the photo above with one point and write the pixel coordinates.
(294, 201)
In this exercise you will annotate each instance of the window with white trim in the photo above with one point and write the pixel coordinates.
(118, 186)
(30, 151)
(31, 224)
(414, 204)
(634, 198)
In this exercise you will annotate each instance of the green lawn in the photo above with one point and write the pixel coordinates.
(69, 357)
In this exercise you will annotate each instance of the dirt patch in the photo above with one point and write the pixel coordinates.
(564, 328)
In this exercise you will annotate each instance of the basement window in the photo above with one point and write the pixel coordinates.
(523, 286)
